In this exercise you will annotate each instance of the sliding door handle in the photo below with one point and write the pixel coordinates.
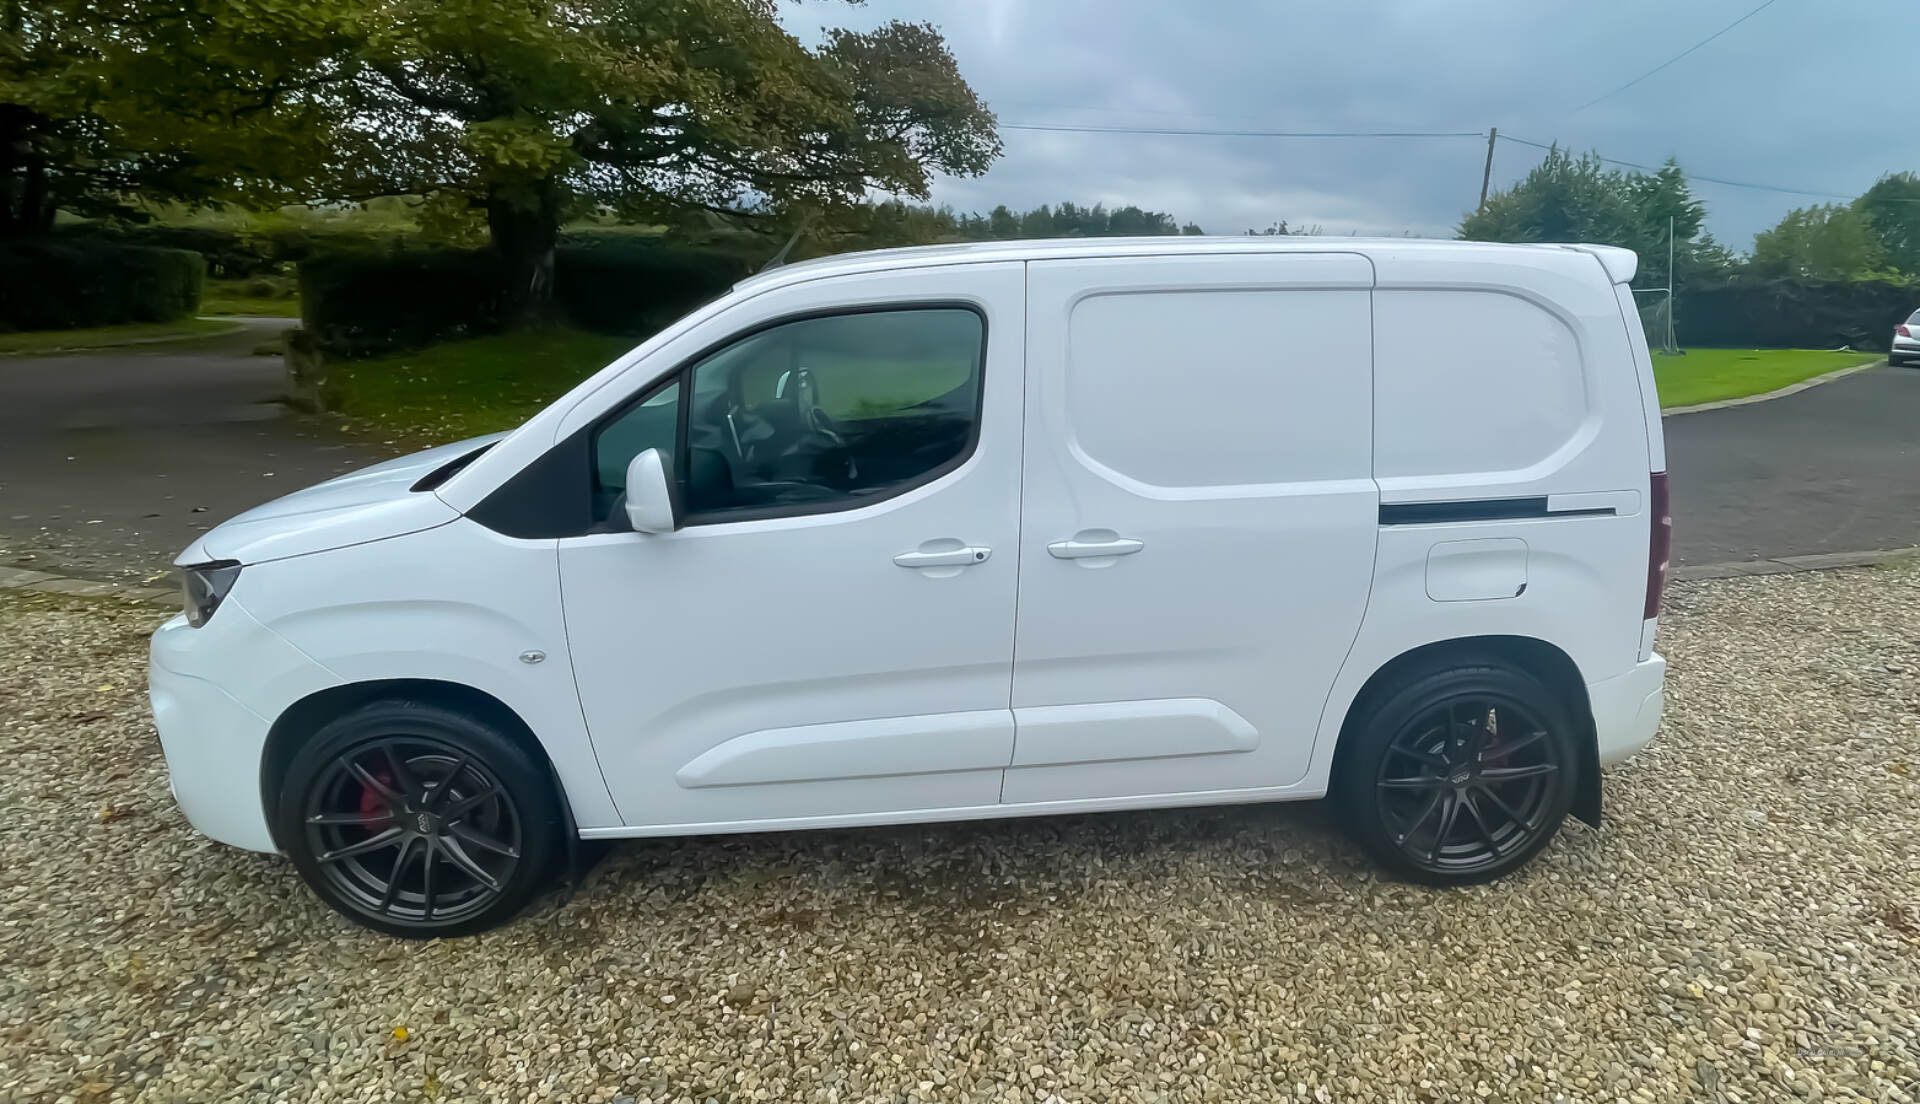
(947, 557)
(1080, 548)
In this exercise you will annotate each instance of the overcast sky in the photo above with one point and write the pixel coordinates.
(1820, 95)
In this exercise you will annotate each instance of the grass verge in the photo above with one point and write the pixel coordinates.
(466, 388)
(260, 297)
(1710, 375)
(44, 342)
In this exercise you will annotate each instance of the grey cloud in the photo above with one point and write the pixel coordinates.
(1807, 94)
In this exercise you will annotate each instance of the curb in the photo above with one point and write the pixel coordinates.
(1790, 389)
(63, 350)
(46, 582)
(1781, 565)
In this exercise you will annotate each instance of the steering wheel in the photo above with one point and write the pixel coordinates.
(817, 422)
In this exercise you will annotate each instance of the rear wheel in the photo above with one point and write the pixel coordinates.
(1458, 773)
(419, 821)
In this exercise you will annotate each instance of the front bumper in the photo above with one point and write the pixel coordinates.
(1627, 708)
(214, 691)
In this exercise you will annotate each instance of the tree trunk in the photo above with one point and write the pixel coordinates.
(524, 223)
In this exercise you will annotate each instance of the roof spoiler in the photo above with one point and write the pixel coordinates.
(1620, 263)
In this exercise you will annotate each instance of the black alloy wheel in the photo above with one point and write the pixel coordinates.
(1457, 772)
(1466, 784)
(419, 821)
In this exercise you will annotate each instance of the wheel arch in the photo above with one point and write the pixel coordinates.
(299, 721)
(1544, 661)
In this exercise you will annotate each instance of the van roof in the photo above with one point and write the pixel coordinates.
(1619, 263)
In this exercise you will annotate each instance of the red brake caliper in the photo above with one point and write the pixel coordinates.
(371, 804)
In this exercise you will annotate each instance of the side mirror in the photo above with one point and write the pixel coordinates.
(652, 505)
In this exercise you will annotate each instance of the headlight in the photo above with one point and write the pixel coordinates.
(204, 585)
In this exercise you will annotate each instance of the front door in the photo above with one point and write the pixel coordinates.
(829, 635)
(1199, 520)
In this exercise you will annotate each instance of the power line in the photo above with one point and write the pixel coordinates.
(1691, 176)
(1676, 57)
(1089, 128)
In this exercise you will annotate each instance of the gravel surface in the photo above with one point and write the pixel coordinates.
(1746, 927)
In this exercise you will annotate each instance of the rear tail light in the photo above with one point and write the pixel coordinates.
(1903, 331)
(1660, 544)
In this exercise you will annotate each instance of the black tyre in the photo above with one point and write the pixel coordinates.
(1458, 772)
(420, 821)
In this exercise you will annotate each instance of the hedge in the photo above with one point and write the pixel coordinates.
(637, 287)
(364, 303)
(55, 285)
(1794, 314)
(360, 303)
(236, 253)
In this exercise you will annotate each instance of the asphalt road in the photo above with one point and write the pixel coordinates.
(112, 462)
(1834, 468)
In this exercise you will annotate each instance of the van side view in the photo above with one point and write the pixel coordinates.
(957, 532)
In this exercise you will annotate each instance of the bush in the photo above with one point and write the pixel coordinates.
(637, 287)
(234, 254)
(1790, 313)
(56, 285)
(361, 303)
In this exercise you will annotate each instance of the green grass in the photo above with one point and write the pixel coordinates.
(261, 296)
(1709, 375)
(466, 388)
(42, 342)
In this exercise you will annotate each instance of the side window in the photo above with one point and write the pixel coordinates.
(1472, 381)
(824, 413)
(1211, 387)
(651, 424)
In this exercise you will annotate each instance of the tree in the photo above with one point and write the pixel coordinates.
(1579, 199)
(1892, 209)
(1037, 223)
(108, 107)
(1002, 223)
(533, 110)
(1823, 242)
(1132, 221)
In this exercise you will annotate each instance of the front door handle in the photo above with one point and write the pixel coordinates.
(1081, 549)
(962, 556)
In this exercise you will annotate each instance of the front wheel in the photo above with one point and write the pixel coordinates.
(1457, 773)
(419, 821)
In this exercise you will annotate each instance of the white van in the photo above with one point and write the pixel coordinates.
(970, 531)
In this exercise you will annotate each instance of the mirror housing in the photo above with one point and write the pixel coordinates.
(653, 504)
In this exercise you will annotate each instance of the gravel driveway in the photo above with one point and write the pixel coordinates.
(1747, 926)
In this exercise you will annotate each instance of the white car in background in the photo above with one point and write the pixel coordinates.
(1906, 341)
(970, 531)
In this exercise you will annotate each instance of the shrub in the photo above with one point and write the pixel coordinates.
(637, 287)
(53, 285)
(1794, 313)
(361, 303)
(233, 254)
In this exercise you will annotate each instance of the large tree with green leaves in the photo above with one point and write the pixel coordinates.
(535, 110)
(1579, 199)
(1892, 209)
(1822, 242)
(109, 106)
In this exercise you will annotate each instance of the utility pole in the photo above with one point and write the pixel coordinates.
(1670, 344)
(1486, 174)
